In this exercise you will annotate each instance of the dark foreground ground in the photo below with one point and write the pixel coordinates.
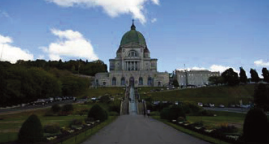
(137, 129)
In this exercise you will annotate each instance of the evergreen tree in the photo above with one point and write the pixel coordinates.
(261, 96)
(256, 127)
(243, 76)
(175, 83)
(31, 130)
(230, 77)
(254, 75)
(97, 113)
(265, 74)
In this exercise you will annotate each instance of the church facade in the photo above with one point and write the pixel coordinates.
(132, 65)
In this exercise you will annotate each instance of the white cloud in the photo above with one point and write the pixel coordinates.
(155, 2)
(261, 63)
(153, 20)
(213, 68)
(70, 43)
(4, 14)
(11, 53)
(111, 7)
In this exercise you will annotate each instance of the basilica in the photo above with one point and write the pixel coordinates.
(132, 65)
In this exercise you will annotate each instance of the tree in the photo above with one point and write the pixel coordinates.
(98, 113)
(172, 113)
(230, 77)
(31, 130)
(175, 83)
(216, 80)
(256, 127)
(265, 74)
(243, 76)
(254, 75)
(261, 96)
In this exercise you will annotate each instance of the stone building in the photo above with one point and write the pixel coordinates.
(132, 65)
(194, 77)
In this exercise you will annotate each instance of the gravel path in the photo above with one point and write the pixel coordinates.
(137, 129)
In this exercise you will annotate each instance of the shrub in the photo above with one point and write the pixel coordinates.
(181, 119)
(51, 128)
(77, 122)
(67, 108)
(31, 130)
(256, 126)
(198, 124)
(172, 113)
(190, 108)
(112, 113)
(98, 113)
(105, 99)
(88, 120)
(226, 129)
(55, 108)
(115, 106)
(204, 113)
(154, 113)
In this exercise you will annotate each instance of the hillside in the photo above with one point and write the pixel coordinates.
(217, 95)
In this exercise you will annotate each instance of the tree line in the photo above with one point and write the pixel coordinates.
(27, 81)
(231, 78)
(74, 66)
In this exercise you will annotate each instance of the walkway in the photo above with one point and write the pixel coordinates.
(137, 129)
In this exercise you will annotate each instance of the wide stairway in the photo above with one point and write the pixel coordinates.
(132, 102)
(125, 104)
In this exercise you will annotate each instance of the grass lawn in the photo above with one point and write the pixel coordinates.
(11, 123)
(85, 135)
(95, 92)
(222, 118)
(195, 134)
(217, 95)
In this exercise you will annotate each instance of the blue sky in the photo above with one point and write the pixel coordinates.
(202, 34)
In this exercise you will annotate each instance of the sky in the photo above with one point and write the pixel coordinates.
(181, 34)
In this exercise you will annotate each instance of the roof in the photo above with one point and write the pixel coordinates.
(133, 37)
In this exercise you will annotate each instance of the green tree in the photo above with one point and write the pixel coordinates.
(256, 127)
(31, 130)
(172, 113)
(175, 83)
(243, 76)
(230, 77)
(216, 80)
(265, 74)
(98, 113)
(261, 96)
(254, 75)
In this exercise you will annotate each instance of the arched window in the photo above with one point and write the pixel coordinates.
(104, 83)
(113, 81)
(140, 81)
(149, 82)
(159, 83)
(123, 81)
(132, 53)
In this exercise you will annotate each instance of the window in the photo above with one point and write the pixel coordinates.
(149, 82)
(123, 81)
(133, 53)
(140, 81)
(113, 81)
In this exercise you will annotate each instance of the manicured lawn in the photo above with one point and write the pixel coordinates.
(222, 118)
(217, 95)
(85, 135)
(195, 134)
(11, 123)
(96, 92)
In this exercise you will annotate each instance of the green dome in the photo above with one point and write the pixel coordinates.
(133, 37)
